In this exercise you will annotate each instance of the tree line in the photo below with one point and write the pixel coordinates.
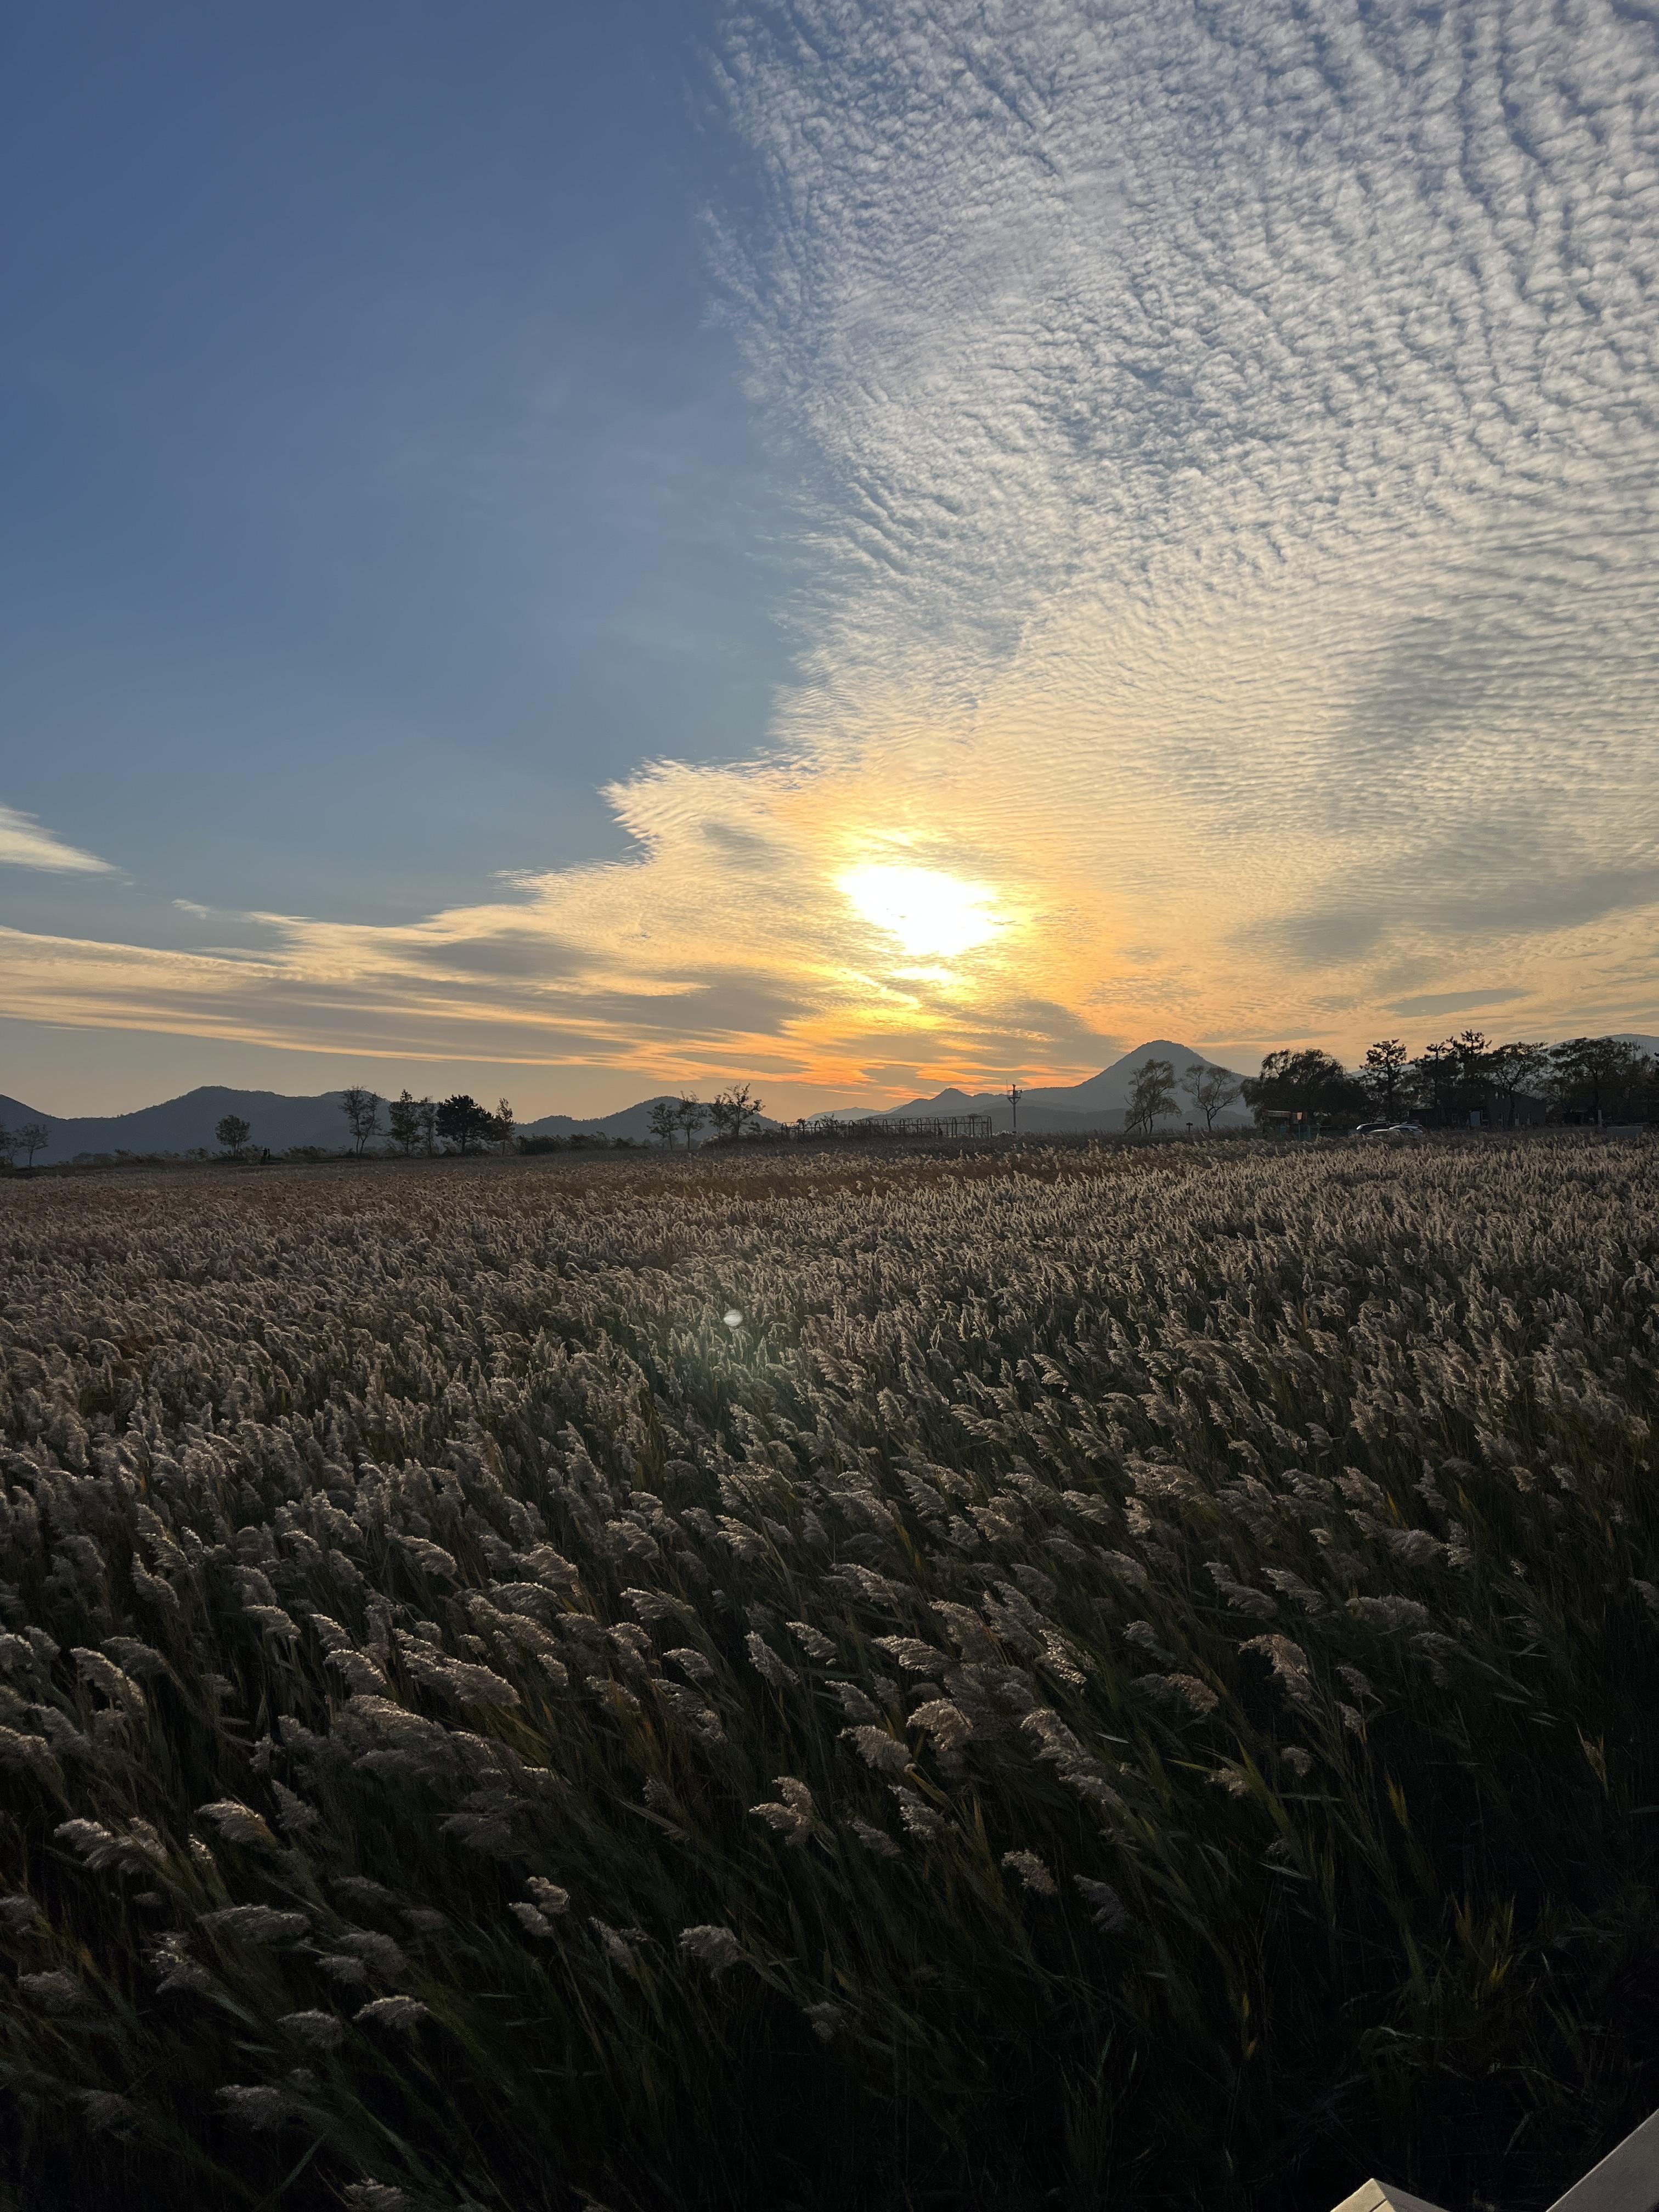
(734, 1113)
(456, 1125)
(459, 1126)
(1592, 1078)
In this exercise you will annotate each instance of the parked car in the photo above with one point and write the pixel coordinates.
(1373, 1128)
(1408, 1129)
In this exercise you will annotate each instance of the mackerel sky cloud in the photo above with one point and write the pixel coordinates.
(1208, 461)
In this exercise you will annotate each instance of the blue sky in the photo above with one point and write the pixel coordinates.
(378, 481)
(847, 545)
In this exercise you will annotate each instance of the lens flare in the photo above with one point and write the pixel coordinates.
(928, 914)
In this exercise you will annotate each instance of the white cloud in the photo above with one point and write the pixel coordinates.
(1236, 443)
(25, 844)
(190, 906)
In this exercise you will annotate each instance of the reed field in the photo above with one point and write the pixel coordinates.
(1121, 1678)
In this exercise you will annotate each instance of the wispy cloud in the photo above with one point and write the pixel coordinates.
(25, 844)
(1229, 462)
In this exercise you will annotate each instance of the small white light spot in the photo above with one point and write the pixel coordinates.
(733, 1318)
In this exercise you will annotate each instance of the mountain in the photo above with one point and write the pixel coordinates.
(633, 1123)
(179, 1125)
(1097, 1104)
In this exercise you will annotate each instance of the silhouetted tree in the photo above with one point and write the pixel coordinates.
(7, 1146)
(428, 1112)
(665, 1121)
(1592, 1073)
(1212, 1090)
(1307, 1082)
(1514, 1069)
(1473, 1078)
(1151, 1095)
(404, 1122)
(1436, 1069)
(462, 1122)
(1384, 1076)
(1456, 1075)
(30, 1138)
(363, 1111)
(233, 1134)
(502, 1126)
(734, 1110)
(690, 1113)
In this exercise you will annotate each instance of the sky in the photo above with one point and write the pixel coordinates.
(851, 546)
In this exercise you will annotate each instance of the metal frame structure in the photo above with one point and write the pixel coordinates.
(879, 1127)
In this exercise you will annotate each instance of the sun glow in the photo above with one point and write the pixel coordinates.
(929, 914)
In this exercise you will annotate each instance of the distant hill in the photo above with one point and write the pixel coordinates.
(633, 1123)
(1097, 1104)
(179, 1125)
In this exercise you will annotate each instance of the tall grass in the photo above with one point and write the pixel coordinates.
(1114, 1679)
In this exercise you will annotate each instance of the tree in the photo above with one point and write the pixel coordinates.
(404, 1121)
(363, 1111)
(1434, 1074)
(690, 1113)
(462, 1122)
(665, 1121)
(7, 1146)
(233, 1134)
(1311, 1083)
(1473, 1054)
(428, 1112)
(30, 1138)
(1473, 1079)
(1013, 1094)
(1590, 1073)
(1151, 1095)
(1212, 1090)
(1515, 1068)
(1384, 1076)
(502, 1126)
(734, 1110)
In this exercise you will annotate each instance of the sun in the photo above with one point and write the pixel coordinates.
(929, 914)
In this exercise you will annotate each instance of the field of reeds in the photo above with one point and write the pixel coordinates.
(1081, 1680)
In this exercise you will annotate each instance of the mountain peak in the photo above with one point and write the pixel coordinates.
(1097, 1104)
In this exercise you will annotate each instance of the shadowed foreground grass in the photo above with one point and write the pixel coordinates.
(1114, 1679)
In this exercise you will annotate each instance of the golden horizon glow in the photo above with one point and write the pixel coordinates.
(929, 913)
